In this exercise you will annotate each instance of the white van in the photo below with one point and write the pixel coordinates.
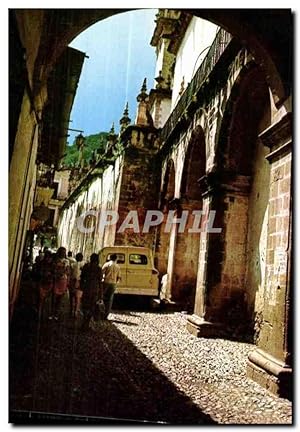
(137, 270)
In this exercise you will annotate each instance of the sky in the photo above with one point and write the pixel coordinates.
(120, 57)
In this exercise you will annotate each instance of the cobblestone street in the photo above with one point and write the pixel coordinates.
(141, 366)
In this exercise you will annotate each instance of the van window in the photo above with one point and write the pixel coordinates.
(137, 259)
(120, 258)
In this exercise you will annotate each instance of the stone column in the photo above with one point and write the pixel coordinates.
(171, 259)
(202, 269)
(186, 256)
(270, 363)
(172, 233)
(220, 304)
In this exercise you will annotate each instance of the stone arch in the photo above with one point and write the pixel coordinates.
(268, 39)
(186, 252)
(168, 189)
(236, 154)
(194, 165)
(239, 194)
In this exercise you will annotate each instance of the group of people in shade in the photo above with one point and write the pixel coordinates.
(86, 284)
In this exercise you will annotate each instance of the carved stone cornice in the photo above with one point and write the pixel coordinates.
(171, 24)
(159, 94)
(165, 25)
(236, 184)
(278, 136)
(179, 32)
(214, 183)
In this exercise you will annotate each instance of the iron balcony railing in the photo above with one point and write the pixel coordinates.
(218, 46)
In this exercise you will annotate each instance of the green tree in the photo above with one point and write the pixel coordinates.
(92, 142)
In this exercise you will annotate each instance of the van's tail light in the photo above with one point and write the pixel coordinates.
(154, 272)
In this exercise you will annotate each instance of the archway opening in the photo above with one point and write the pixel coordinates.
(236, 289)
(188, 242)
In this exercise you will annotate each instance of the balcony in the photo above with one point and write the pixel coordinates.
(190, 96)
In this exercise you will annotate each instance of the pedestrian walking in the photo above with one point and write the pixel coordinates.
(75, 290)
(91, 285)
(42, 253)
(61, 276)
(45, 277)
(70, 258)
(111, 276)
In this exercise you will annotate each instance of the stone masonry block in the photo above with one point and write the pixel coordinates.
(272, 207)
(274, 190)
(272, 225)
(278, 205)
(270, 256)
(278, 240)
(284, 186)
(287, 169)
(286, 202)
(285, 224)
(279, 224)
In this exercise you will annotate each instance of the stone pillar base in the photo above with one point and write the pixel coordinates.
(200, 328)
(170, 305)
(267, 371)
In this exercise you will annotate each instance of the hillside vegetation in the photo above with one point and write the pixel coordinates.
(92, 143)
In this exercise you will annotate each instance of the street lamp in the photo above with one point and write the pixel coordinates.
(79, 140)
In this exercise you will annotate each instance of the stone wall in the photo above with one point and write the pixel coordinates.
(198, 37)
(278, 249)
(258, 214)
(22, 179)
(100, 195)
